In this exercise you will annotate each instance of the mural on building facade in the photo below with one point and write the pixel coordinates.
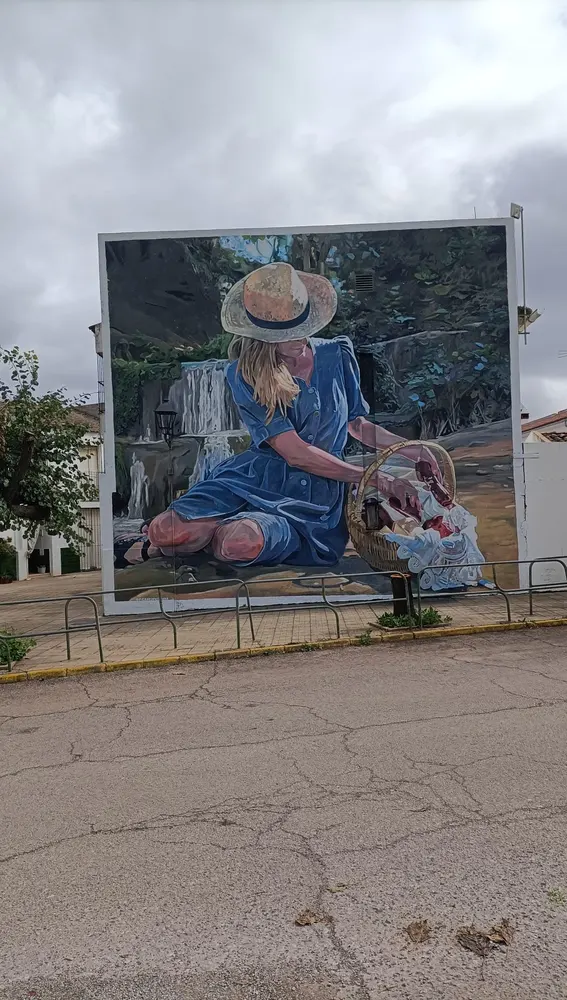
(255, 378)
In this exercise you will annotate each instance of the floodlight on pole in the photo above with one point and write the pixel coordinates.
(517, 212)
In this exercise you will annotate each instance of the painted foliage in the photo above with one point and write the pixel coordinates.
(405, 335)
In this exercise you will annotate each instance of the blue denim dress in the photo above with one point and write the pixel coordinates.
(301, 516)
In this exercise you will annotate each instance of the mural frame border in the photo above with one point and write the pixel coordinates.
(108, 477)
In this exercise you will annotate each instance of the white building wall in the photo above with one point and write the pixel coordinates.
(21, 546)
(546, 502)
(91, 551)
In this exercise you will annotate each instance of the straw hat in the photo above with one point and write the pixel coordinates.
(276, 303)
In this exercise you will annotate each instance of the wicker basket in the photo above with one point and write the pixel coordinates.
(373, 547)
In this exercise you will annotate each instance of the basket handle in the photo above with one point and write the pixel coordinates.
(449, 477)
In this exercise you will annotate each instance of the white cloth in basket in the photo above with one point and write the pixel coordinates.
(449, 556)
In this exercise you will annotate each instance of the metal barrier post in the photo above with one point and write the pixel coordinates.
(497, 586)
(409, 597)
(82, 597)
(249, 606)
(237, 612)
(243, 586)
(503, 592)
(398, 583)
(6, 642)
(541, 559)
(67, 635)
(329, 605)
(167, 617)
(419, 596)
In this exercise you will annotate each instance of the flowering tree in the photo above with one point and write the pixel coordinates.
(41, 481)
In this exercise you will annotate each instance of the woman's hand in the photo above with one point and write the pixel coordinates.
(389, 486)
(420, 453)
(379, 439)
(428, 456)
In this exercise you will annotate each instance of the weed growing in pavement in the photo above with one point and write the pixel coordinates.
(18, 648)
(429, 619)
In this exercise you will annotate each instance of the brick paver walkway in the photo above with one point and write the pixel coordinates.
(203, 633)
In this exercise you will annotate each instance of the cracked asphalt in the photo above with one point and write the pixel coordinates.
(161, 831)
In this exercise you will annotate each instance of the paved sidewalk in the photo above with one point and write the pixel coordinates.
(125, 640)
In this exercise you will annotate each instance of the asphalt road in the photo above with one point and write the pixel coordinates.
(161, 831)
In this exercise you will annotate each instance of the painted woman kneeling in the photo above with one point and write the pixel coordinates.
(282, 500)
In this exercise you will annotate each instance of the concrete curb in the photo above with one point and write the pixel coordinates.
(77, 670)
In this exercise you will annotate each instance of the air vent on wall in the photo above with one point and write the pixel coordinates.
(364, 282)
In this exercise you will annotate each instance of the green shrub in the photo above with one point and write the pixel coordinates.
(429, 619)
(18, 648)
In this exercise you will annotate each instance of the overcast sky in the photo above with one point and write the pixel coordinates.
(158, 114)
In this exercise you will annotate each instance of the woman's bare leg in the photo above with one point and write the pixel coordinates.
(172, 533)
(238, 541)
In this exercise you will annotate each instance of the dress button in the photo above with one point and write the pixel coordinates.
(304, 482)
(311, 391)
(323, 517)
(309, 437)
(316, 413)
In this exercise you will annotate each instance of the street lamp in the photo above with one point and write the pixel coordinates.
(166, 428)
(166, 420)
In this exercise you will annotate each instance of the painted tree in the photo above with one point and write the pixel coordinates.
(41, 481)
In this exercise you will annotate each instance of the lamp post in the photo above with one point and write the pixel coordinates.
(166, 426)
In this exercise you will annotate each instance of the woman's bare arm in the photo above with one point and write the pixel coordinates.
(372, 435)
(317, 462)
(301, 455)
(376, 437)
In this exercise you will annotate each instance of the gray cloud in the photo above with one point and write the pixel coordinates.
(220, 113)
(536, 179)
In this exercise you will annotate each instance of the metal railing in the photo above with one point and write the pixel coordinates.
(409, 592)
(243, 591)
(531, 588)
(96, 624)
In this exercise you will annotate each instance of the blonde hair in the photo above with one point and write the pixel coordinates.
(258, 363)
